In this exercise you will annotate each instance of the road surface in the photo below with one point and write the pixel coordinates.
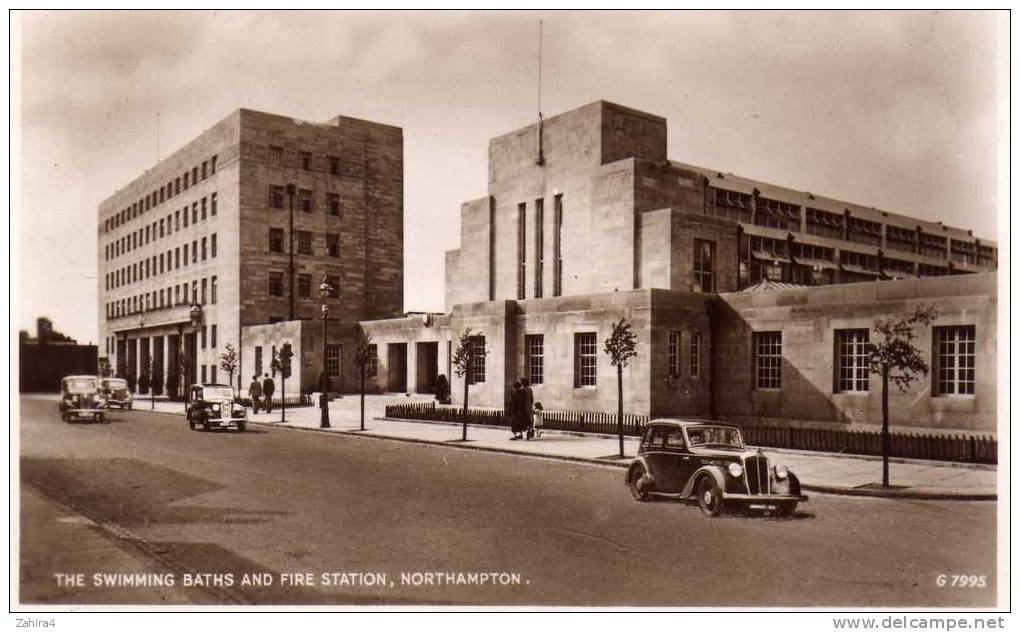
(196, 517)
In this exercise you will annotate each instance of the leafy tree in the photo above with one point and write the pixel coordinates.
(282, 365)
(364, 354)
(468, 352)
(228, 362)
(895, 358)
(621, 347)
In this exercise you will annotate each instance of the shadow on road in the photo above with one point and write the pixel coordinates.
(129, 492)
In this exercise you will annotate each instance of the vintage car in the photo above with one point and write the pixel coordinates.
(114, 391)
(80, 399)
(214, 406)
(709, 463)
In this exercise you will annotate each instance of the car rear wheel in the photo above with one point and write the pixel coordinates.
(634, 477)
(709, 497)
(240, 426)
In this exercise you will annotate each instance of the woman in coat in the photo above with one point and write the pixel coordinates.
(517, 417)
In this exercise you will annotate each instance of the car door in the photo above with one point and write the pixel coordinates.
(674, 461)
(656, 457)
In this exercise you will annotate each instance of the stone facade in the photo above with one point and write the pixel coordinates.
(215, 198)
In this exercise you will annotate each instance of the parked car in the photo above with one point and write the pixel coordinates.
(709, 463)
(79, 398)
(215, 406)
(114, 391)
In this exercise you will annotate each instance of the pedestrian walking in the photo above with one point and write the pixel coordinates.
(517, 426)
(538, 419)
(255, 393)
(527, 408)
(268, 388)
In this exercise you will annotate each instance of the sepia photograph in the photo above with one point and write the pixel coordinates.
(544, 311)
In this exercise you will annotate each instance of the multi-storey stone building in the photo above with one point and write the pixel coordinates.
(238, 228)
(586, 221)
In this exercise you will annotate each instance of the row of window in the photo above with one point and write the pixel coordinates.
(163, 263)
(539, 246)
(178, 294)
(304, 160)
(304, 285)
(173, 188)
(305, 200)
(164, 227)
(305, 240)
(953, 358)
(786, 216)
(333, 356)
(585, 359)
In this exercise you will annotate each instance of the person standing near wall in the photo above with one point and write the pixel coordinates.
(255, 393)
(527, 407)
(268, 388)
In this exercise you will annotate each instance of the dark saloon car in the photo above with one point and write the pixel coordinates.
(709, 463)
(114, 391)
(214, 406)
(79, 398)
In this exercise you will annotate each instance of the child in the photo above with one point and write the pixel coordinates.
(537, 419)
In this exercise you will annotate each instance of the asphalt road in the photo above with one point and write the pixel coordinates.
(270, 502)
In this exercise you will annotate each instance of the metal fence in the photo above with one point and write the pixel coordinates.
(970, 449)
(292, 401)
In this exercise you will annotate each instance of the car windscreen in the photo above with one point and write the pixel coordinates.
(217, 392)
(714, 436)
(80, 385)
(115, 385)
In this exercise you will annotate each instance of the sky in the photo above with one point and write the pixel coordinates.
(893, 110)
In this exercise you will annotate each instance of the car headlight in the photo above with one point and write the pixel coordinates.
(216, 408)
(781, 472)
(735, 470)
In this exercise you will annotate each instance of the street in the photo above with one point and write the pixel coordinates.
(146, 495)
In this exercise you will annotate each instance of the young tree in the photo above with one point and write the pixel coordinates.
(464, 358)
(895, 358)
(282, 363)
(621, 347)
(364, 354)
(228, 362)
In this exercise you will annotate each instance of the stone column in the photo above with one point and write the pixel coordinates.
(411, 367)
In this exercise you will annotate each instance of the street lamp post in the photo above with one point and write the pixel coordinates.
(324, 290)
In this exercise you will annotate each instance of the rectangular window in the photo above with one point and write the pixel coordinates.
(205, 166)
(276, 284)
(332, 245)
(276, 156)
(558, 245)
(704, 265)
(205, 331)
(212, 204)
(334, 166)
(333, 203)
(205, 284)
(203, 208)
(212, 290)
(852, 360)
(333, 360)
(306, 161)
(539, 245)
(212, 372)
(186, 216)
(212, 337)
(194, 213)
(334, 286)
(585, 359)
(161, 227)
(212, 165)
(522, 228)
(372, 363)
(276, 193)
(533, 359)
(258, 361)
(177, 186)
(492, 249)
(304, 241)
(695, 353)
(194, 175)
(187, 180)
(275, 240)
(212, 245)
(954, 360)
(768, 359)
(674, 353)
(305, 200)
(304, 285)
(203, 371)
(203, 248)
(477, 369)
(185, 254)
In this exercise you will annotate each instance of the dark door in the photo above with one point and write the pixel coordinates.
(681, 464)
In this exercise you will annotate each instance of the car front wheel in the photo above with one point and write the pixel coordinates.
(709, 497)
(786, 509)
(634, 483)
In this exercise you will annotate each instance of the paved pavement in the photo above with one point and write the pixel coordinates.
(819, 472)
(314, 518)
